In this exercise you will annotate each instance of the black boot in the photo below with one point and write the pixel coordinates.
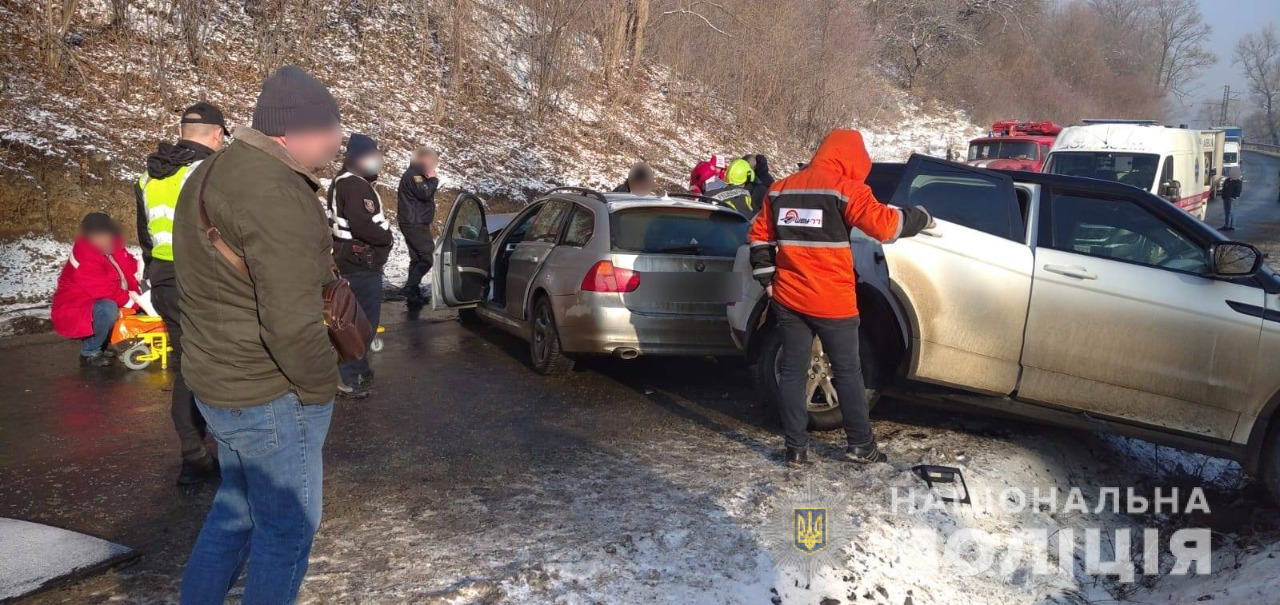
(366, 379)
(865, 454)
(797, 456)
(194, 472)
(97, 360)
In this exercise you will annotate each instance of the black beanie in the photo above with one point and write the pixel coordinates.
(98, 222)
(293, 100)
(359, 145)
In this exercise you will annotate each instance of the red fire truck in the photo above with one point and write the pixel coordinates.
(1014, 145)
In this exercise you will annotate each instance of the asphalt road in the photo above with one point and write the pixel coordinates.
(1258, 210)
(460, 437)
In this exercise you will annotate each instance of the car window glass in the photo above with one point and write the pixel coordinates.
(546, 227)
(581, 227)
(469, 221)
(1122, 230)
(686, 231)
(884, 179)
(965, 197)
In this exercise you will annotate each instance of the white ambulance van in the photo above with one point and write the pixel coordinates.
(1168, 162)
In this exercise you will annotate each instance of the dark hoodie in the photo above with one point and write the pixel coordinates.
(164, 163)
(760, 186)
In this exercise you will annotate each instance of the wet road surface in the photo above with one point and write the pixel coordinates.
(431, 482)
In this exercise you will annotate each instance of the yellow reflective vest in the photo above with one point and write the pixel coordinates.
(160, 198)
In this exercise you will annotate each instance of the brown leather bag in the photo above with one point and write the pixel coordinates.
(349, 330)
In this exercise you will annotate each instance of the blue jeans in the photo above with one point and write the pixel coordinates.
(105, 312)
(1228, 212)
(367, 288)
(268, 507)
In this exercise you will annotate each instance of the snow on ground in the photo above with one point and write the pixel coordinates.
(683, 518)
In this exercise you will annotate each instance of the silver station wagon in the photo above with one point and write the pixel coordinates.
(584, 272)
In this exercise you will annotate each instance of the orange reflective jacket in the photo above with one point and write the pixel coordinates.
(800, 239)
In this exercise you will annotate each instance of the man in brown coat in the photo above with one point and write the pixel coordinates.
(256, 352)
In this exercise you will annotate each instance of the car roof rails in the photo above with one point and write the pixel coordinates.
(580, 190)
(699, 198)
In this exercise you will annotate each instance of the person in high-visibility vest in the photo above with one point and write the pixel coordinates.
(201, 133)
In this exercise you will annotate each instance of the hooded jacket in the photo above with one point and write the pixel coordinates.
(247, 340)
(800, 240)
(89, 276)
(764, 180)
(164, 163)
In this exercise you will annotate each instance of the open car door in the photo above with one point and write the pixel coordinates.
(968, 281)
(461, 261)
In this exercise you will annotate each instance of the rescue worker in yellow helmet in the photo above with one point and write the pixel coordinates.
(201, 133)
(733, 191)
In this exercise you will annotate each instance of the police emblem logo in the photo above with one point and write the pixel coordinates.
(370, 206)
(810, 529)
(417, 179)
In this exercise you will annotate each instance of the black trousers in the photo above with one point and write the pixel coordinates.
(367, 286)
(186, 417)
(840, 342)
(417, 238)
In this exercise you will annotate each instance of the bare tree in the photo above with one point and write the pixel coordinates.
(55, 18)
(1179, 34)
(195, 24)
(550, 71)
(1258, 56)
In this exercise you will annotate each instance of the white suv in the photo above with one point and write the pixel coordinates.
(1073, 301)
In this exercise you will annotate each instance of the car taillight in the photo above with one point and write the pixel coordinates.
(604, 277)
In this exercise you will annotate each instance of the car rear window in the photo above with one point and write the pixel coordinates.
(692, 231)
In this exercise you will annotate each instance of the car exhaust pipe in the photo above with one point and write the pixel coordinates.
(626, 353)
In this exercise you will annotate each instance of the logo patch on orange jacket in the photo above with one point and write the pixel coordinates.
(800, 217)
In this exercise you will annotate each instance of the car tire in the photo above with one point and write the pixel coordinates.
(545, 351)
(822, 417)
(1269, 466)
(468, 316)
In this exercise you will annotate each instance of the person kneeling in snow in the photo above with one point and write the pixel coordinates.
(94, 284)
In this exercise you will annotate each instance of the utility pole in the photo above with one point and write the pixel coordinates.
(1227, 98)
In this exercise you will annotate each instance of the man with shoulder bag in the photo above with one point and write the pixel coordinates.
(252, 255)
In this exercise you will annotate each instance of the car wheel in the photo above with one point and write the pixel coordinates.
(824, 405)
(468, 316)
(544, 341)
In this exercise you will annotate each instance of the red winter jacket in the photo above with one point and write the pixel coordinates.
(89, 276)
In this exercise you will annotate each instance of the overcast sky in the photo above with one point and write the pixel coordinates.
(1230, 20)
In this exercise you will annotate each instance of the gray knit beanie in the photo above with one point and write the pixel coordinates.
(292, 99)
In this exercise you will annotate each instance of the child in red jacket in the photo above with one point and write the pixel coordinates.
(94, 284)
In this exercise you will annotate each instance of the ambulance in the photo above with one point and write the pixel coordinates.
(1213, 144)
(1168, 162)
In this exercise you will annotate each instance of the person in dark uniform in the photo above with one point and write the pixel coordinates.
(416, 201)
(361, 243)
(201, 133)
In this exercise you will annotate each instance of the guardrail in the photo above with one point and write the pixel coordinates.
(1261, 148)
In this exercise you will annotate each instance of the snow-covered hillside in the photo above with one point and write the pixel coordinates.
(70, 145)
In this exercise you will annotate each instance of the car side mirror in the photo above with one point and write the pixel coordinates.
(1234, 259)
(1172, 189)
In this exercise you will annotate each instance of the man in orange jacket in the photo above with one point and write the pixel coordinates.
(800, 253)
